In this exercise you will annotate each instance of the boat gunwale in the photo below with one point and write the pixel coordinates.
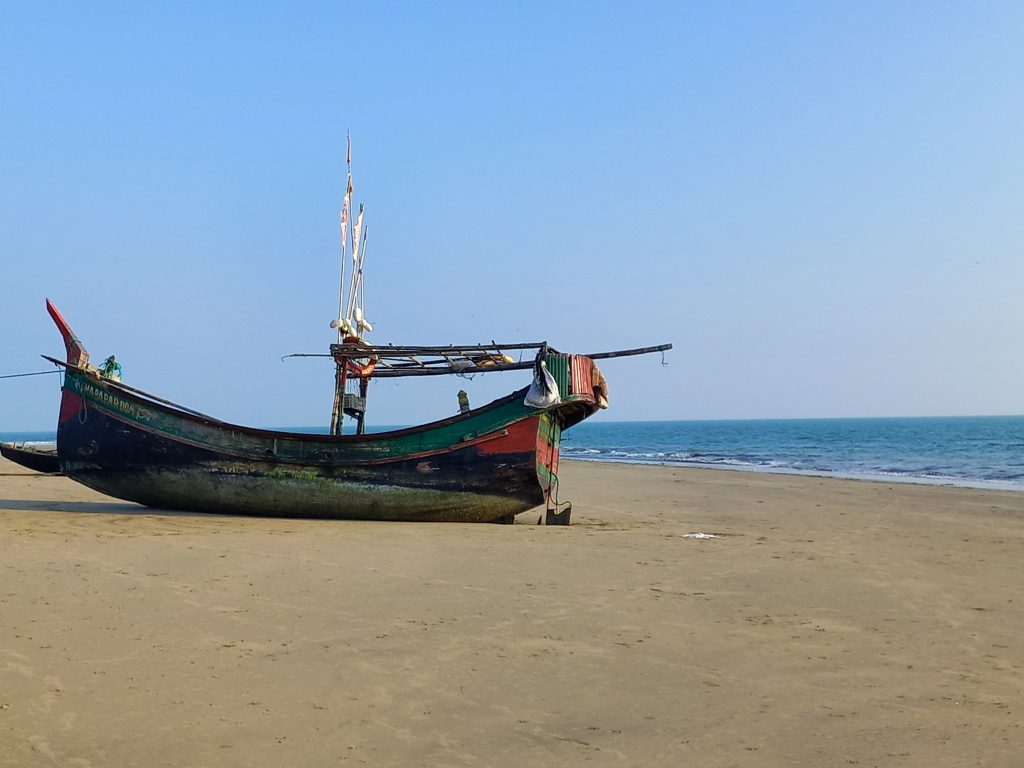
(182, 412)
(323, 463)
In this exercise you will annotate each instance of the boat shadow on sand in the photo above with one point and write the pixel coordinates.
(95, 507)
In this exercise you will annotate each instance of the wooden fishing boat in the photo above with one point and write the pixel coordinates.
(482, 465)
(37, 458)
(485, 465)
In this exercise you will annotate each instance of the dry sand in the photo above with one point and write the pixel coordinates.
(830, 623)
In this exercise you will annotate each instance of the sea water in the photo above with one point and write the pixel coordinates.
(29, 438)
(985, 451)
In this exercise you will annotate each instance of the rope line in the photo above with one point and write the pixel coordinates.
(19, 375)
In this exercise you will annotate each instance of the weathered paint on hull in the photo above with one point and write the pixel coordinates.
(486, 466)
(223, 492)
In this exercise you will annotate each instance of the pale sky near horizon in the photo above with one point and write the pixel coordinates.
(819, 204)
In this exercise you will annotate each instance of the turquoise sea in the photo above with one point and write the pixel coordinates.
(985, 451)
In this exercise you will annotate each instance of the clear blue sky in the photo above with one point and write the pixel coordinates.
(820, 204)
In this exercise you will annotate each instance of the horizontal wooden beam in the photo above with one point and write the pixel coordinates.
(444, 368)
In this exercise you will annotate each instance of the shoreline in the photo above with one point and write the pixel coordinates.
(944, 482)
(941, 482)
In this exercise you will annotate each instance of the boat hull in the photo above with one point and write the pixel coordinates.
(36, 459)
(484, 466)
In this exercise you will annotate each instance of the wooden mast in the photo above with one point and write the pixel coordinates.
(338, 322)
(349, 322)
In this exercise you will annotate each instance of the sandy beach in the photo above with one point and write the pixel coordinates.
(828, 623)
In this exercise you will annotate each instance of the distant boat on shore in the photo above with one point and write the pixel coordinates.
(37, 458)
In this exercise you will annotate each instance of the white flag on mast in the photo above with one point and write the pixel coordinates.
(344, 224)
(357, 230)
(356, 234)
